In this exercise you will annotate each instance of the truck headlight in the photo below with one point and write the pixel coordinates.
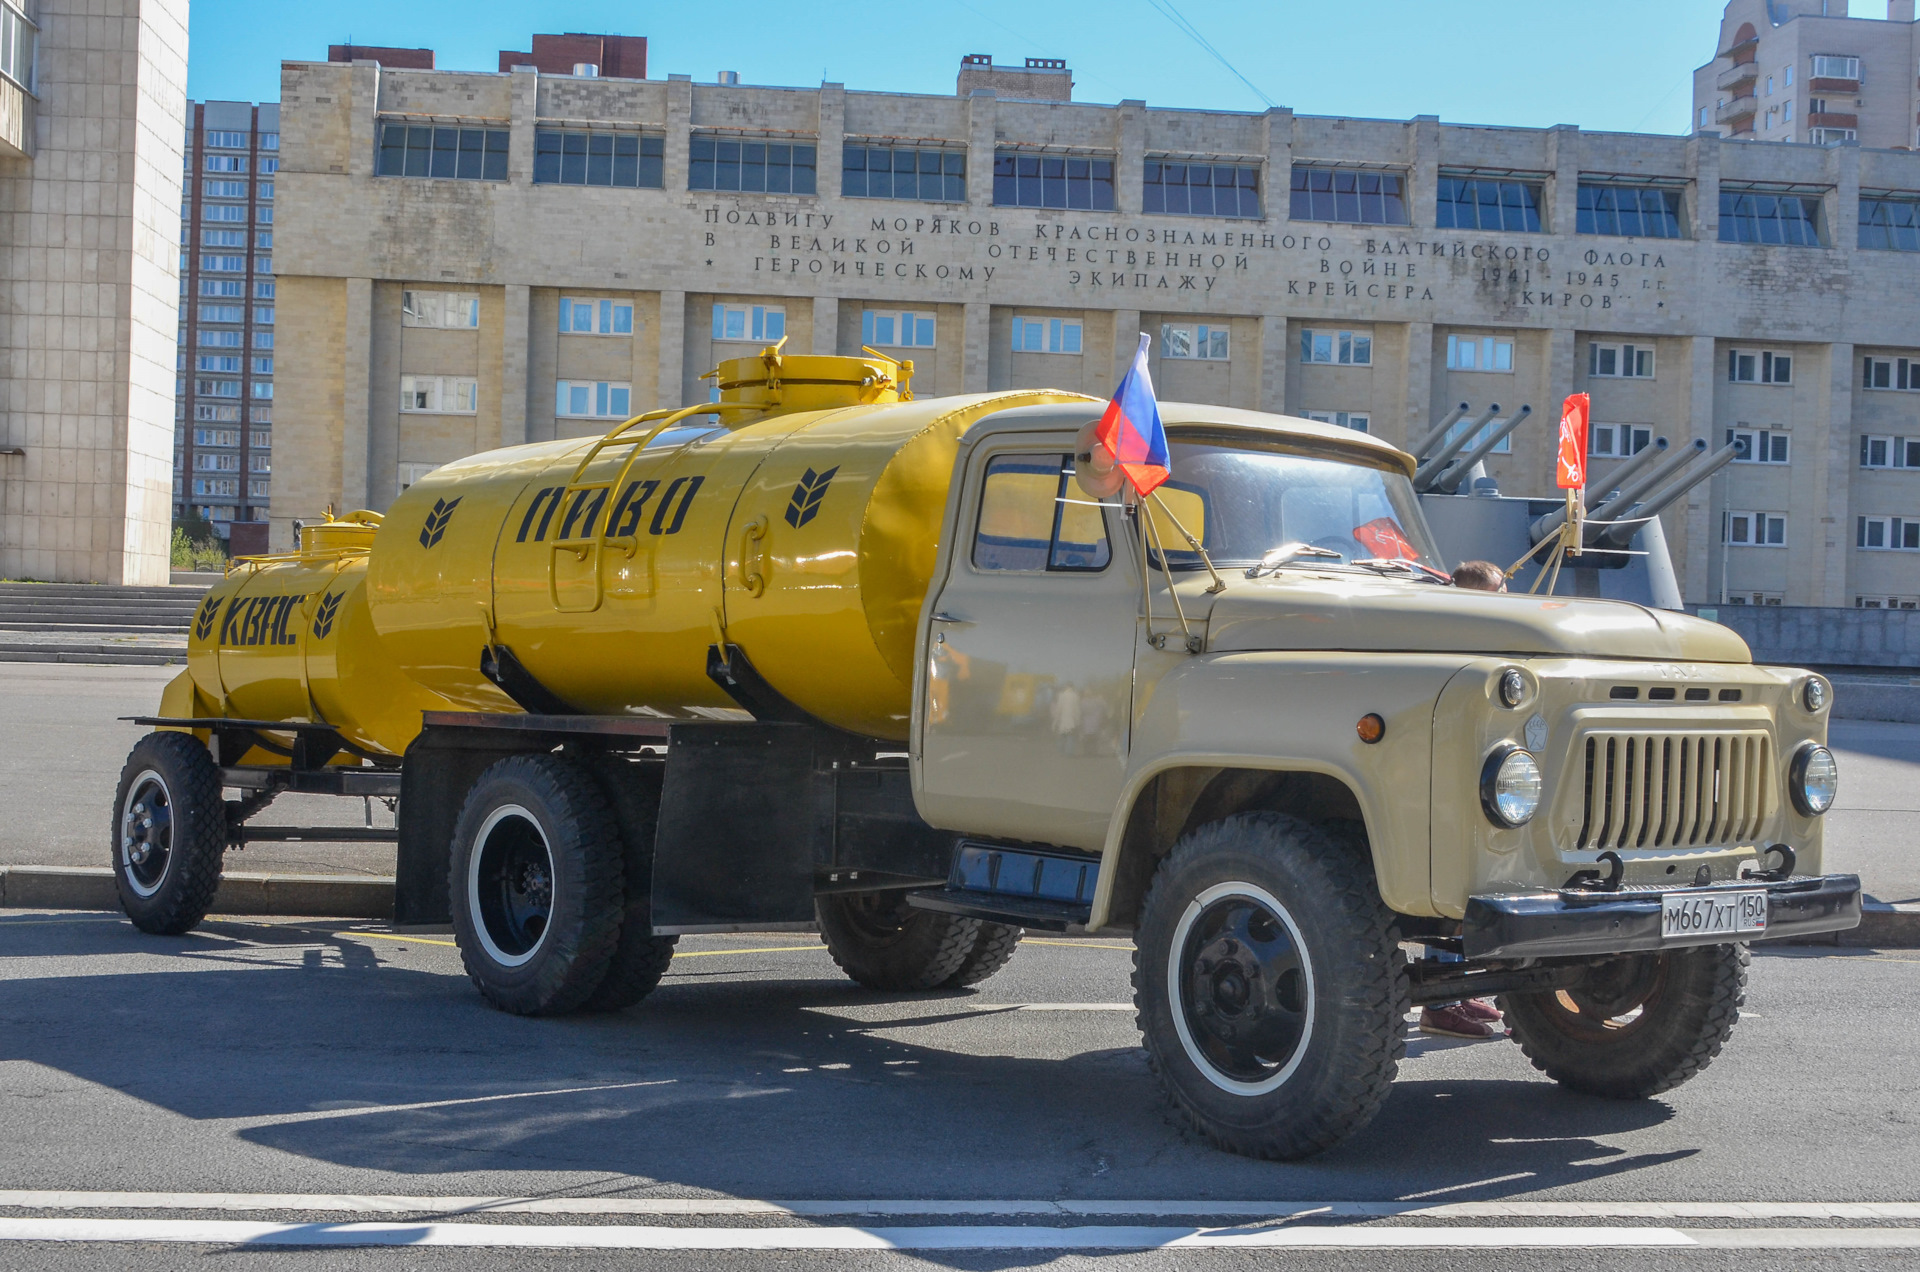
(1813, 779)
(1510, 786)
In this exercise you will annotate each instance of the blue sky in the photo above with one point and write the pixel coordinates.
(1620, 66)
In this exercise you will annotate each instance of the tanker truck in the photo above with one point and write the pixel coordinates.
(819, 655)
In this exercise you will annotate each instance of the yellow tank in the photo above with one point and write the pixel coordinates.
(797, 519)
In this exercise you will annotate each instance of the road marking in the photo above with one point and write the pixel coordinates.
(388, 936)
(1078, 945)
(764, 949)
(715, 1207)
(363, 1110)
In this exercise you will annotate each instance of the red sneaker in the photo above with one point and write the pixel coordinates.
(1451, 1022)
(1481, 1009)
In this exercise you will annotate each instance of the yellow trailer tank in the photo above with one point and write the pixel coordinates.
(796, 519)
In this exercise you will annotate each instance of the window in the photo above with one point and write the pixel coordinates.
(224, 264)
(1830, 136)
(1788, 72)
(1617, 441)
(1502, 447)
(408, 474)
(260, 415)
(220, 340)
(1186, 188)
(1033, 519)
(440, 394)
(1485, 203)
(270, 141)
(1024, 179)
(892, 327)
(227, 140)
(262, 290)
(216, 388)
(1769, 92)
(1623, 360)
(258, 489)
(1758, 446)
(902, 172)
(1046, 335)
(1629, 211)
(226, 163)
(261, 339)
(269, 166)
(223, 238)
(260, 439)
(217, 436)
(206, 362)
(263, 239)
(1479, 353)
(1889, 602)
(1703, 116)
(17, 36)
(728, 163)
(1889, 452)
(592, 399)
(1341, 348)
(1833, 66)
(1753, 530)
(1890, 224)
(421, 150)
(263, 314)
(749, 322)
(217, 462)
(263, 366)
(1205, 342)
(1752, 216)
(628, 160)
(596, 317)
(263, 215)
(227, 487)
(1355, 420)
(222, 313)
(1353, 195)
(1887, 534)
(1890, 373)
(222, 212)
(1786, 111)
(263, 264)
(214, 414)
(227, 190)
(439, 309)
(1746, 366)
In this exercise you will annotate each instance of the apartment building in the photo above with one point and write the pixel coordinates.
(471, 260)
(1806, 71)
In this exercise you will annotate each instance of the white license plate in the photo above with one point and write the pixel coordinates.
(1694, 916)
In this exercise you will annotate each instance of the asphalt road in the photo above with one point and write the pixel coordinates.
(62, 745)
(307, 1058)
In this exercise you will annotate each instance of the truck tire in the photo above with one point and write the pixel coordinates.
(991, 950)
(640, 958)
(535, 884)
(169, 833)
(1269, 985)
(885, 944)
(1640, 1025)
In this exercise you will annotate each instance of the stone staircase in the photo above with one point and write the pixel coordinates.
(90, 623)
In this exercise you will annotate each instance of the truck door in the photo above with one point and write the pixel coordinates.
(1030, 657)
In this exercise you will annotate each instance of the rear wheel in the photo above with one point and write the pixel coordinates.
(640, 958)
(884, 943)
(169, 833)
(535, 880)
(991, 951)
(1638, 1025)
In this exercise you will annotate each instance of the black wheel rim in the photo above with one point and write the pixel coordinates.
(146, 833)
(877, 918)
(510, 885)
(1243, 989)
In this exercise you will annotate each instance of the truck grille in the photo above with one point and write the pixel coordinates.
(1675, 790)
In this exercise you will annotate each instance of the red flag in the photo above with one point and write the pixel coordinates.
(1571, 471)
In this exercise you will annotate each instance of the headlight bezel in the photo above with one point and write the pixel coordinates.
(1490, 772)
(1510, 688)
(1797, 771)
(1815, 688)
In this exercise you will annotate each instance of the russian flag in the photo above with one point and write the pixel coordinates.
(1131, 430)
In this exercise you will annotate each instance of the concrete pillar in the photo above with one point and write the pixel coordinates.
(524, 99)
(673, 347)
(1130, 154)
(1126, 338)
(1700, 560)
(1423, 161)
(1273, 363)
(1703, 161)
(1419, 414)
(679, 126)
(1563, 156)
(826, 324)
(833, 130)
(976, 319)
(1276, 200)
(514, 339)
(1832, 537)
(356, 477)
(1843, 202)
(981, 108)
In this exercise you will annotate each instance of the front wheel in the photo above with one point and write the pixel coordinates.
(1269, 985)
(169, 833)
(1638, 1025)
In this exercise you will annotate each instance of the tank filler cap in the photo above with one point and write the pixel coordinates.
(783, 382)
(336, 534)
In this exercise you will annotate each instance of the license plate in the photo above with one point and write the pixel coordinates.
(1700, 915)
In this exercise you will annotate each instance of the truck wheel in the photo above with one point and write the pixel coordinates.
(535, 882)
(640, 958)
(884, 943)
(1639, 1025)
(991, 950)
(169, 833)
(1269, 985)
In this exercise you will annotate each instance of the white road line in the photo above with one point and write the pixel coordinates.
(228, 1232)
(364, 1110)
(716, 1207)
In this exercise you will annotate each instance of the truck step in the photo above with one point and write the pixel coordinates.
(1000, 907)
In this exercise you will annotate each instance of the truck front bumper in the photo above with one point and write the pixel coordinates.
(1559, 924)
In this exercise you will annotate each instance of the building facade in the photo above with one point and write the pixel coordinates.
(92, 98)
(473, 260)
(223, 387)
(1804, 70)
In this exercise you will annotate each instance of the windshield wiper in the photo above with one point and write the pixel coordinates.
(1274, 558)
(1401, 565)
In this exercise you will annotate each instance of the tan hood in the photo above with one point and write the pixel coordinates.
(1310, 611)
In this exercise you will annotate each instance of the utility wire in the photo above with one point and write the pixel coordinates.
(1167, 10)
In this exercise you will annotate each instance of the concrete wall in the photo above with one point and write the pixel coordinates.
(1807, 636)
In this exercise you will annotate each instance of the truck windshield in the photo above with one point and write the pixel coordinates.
(1241, 503)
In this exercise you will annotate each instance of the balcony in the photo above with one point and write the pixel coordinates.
(1738, 79)
(1829, 119)
(1737, 114)
(1844, 87)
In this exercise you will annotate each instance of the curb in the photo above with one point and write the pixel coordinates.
(288, 896)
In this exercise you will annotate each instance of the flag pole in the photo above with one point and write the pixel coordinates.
(1219, 584)
(1167, 569)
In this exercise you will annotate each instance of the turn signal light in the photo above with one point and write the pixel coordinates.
(1371, 728)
